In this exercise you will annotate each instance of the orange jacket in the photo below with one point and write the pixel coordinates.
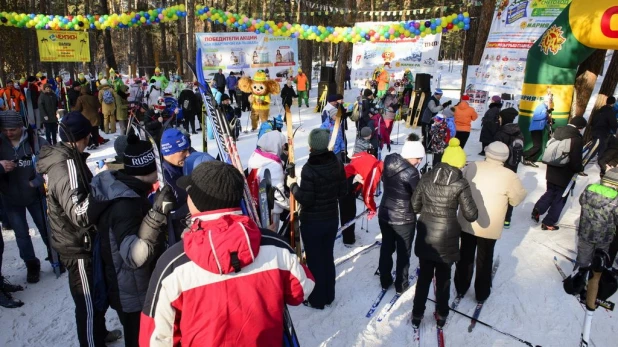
(383, 80)
(301, 82)
(464, 116)
(13, 97)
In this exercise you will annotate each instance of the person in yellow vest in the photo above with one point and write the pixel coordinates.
(302, 86)
(158, 76)
(260, 88)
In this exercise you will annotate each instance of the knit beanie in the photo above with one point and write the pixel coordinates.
(497, 151)
(367, 93)
(120, 145)
(173, 141)
(213, 185)
(496, 99)
(333, 98)
(11, 120)
(454, 155)
(610, 178)
(318, 139)
(139, 157)
(579, 122)
(365, 132)
(78, 125)
(508, 115)
(413, 148)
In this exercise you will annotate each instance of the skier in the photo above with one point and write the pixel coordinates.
(540, 118)
(302, 86)
(440, 136)
(464, 116)
(490, 123)
(497, 187)
(604, 124)
(437, 197)
(88, 105)
(130, 231)
(391, 105)
(288, 94)
(224, 260)
(396, 218)
(14, 98)
(72, 235)
(558, 178)
(332, 106)
(175, 148)
(339, 148)
(20, 187)
(48, 105)
(190, 108)
(322, 183)
(431, 110)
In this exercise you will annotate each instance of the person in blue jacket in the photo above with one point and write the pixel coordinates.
(339, 149)
(540, 118)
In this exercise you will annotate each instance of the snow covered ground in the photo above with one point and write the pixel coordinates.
(527, 297)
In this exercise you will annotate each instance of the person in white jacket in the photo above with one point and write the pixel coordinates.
(494, 187)
(154, 93)
(267, 155)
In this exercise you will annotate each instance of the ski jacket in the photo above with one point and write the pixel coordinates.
(219, 79)
(67, 201)
(89, 106)
(163, 81)
(301, 82)
(599, 214)
(604, 123)
(329, 111)
(287, 95)
(400, 180)
(48, 105)
(610, 157)
(539, 118)
(22, 186)
(329, 123)
(464, 116)
(266, 157)
(370, 169)
(380, 134)
(497, 187)
(437, 197)
(171, 174)
(507, 134)
(561, 176)
(188, 102)
(107, 109)
(432, 109)
(439, 136)
(362, 145)
(490, 123)
(383, 80)
(322, 182)
(391, 104)
(130, 236)
(231, 82)
(14, 99)
(225, 284)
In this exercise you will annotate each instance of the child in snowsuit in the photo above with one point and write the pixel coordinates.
(440, 135)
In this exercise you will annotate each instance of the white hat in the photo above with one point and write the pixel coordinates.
(413, 150)
(103, 82)
(497, 151)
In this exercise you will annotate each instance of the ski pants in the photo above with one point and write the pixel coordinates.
(585, 251)
(303, 95)
(551, 202)
(442, 272)
(130, 326)
(464, 269)
(51, 133)
(463, 137)
(347, 212)
(90, 322)
(532, 154)
(17, 218)
(395, 238)
(319, 240)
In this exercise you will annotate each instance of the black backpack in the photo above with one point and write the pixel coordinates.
(516, 151)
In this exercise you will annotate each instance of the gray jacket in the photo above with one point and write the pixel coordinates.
(433, 108)
(48, 105)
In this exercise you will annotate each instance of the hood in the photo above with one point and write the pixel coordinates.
(24, 137)
(215, 236)
(495, 104)
(394, 164)
(603, 196)
(444, 174)
(463, 105)
(511, 129)
(51, 155)
(566, 132)
(272, 142)
(110, 185)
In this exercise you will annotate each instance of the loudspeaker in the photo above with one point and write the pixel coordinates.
(422, 82)
(327, 74)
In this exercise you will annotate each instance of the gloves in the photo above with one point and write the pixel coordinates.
(164, 201)
(388, 146)
(447, 104)
(290, 181)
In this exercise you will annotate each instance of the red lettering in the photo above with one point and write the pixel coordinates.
(606, 22)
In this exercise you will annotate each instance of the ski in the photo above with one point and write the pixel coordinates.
(349, 223)
(376, 302)
(456, 302)
(418, 110)
(396, 297)
(559, 268)
(440, 336)
(336, 127)
(586, 158)
(362, 251)
(263, 191)
(416, 336)
(479, 305)
(410, 110)
(295, 240)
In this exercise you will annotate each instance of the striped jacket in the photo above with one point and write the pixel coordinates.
(226, 284)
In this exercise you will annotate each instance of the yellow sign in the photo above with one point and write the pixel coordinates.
(65, 46)
(595, 23)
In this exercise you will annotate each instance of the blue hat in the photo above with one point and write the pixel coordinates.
(173, 141)
(438, 91)
(79, 126)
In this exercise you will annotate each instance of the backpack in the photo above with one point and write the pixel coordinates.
(516, 152)
(557, 152)
(108, 96)
(356, 110)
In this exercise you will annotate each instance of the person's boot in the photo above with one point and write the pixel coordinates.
(7, 301)
(34, 271)
(113, 335)
(6, 286)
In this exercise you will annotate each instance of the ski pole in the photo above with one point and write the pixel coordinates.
(490, 326)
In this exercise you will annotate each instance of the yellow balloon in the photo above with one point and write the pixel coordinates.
(182, 8)
(423, 34)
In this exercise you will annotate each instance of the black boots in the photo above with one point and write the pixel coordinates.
(6, 300)
(34, 269)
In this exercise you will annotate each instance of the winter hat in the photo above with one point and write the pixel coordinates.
(465, 98)
(225, 97)
(439, 116)
(78, 125)
(334, 97)
(120, 145)
(213, 185)
(497, 151)
(496, 99)
(454, 155)
(139, 157)
(579, 122)
(173, 141)
(272, 142)
(610, 100)
(365, 132)
(367, 93)
(103, 82)
(318, 139)
(438, 91)
(508, 115)
(413, 148)
(11, 120)
(610, 178)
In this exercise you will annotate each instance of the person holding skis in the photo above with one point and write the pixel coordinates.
(71, 233)
(288, 94)
(498, 188)
(396, 218)
(490, 123)
(175, 148)
(48, 105)
(329, 124)
(130, 230)
(438, 196)
(224, 260)
(323, 182)
(558, 177)
(540, 118)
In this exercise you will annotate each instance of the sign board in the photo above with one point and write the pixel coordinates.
(63, 46)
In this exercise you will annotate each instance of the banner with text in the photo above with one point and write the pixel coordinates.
(517, 24)
(63, 46)
(248, 53)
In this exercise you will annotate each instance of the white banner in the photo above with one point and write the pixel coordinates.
(517, 24)
(419, 54)
(248, 53)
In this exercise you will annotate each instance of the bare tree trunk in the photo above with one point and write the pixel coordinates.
(585, 80)
(110, 59)
(469, 44)
(610, 81)
(345, 49)
(484, 24)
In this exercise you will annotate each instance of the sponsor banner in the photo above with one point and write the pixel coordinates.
(63, 46)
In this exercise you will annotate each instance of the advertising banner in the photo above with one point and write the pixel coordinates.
(63, 46)
(248, 53)
(517, 24)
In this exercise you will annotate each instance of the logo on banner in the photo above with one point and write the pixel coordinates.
(606, 23)
(552, 40)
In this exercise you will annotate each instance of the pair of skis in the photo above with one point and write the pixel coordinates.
(389, 306)
(590, 149)
(387, 309)
(414, 114)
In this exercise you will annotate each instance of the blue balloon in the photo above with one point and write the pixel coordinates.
(146, 15)
(257, 31)
(455, 21)
(433, 26)
(92, 26)
(438, 21)
(460, 17)
(466, 20)
(387, 35)
(466, 26)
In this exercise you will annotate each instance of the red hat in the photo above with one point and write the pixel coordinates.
(465, 98)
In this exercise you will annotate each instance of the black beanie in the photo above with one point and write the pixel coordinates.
(367, 93)
(139, 157)
(77, 124)
(508, 115)
(213, 185)
(579, 122)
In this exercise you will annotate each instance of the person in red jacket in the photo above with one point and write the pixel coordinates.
(227, 282)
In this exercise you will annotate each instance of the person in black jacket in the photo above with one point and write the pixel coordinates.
(367, 104)
(74, 93)
(323, 182)
(190, 108)
(610, 157)
(510, 134)
(219, 80)
(490, 123)
(288, 94)
(130, 230)
(438, 196)
(558, 178)
(396, 218)
(603, 125)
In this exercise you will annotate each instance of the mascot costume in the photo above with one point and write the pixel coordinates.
(260, 88)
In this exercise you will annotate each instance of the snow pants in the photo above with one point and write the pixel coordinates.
(585, 251)
(442, 272)
(303, 95)
(464, 269)
(551, 202)
(347, 212)
(395, 238)
(319, 240)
